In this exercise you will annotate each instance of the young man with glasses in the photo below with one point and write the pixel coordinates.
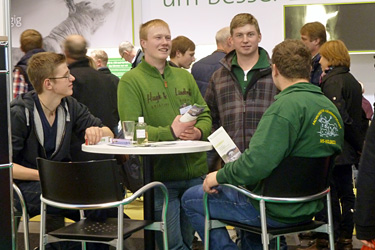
(43, 121)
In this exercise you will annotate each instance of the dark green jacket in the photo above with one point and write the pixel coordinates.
(301, 122)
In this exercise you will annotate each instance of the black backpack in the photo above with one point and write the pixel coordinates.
(130, 170)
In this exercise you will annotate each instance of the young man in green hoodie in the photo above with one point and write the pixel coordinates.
(294, 125)
(157, 92)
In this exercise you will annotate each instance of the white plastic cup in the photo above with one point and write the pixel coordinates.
(128, 129)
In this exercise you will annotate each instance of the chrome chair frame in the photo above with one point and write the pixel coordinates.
(276, 232)
(116, 241)
(24, 215)
(274, 190)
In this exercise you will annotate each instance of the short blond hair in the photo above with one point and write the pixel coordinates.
(143, 30)
(42, 66)
(243, 19)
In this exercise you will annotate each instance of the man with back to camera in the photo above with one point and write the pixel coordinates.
(289, 128)
(313, 35)
(100, 58)
(130, 54)
(182, 52)
(43, 121)
(89, 87)
(204, 68)
(157, 91)
(31, 43)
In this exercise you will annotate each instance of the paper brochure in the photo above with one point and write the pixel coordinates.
(224, 145)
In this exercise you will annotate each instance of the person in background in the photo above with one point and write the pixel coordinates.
(182, 52)
(43, 121)
(314, 35)
(31, 43)
(100, 58)
(89, 87)
(364, 216)
(366, 105)
(130, 54)
(345, 92)
(290, 123)
(157, 91)
(203, 69)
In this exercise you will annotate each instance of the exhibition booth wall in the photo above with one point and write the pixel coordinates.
(107, 23)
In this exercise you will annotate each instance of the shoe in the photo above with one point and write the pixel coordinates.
(319, 244)
(344, 244)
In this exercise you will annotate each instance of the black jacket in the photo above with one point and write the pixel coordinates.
(96, 90)
(99, 93)
(364, 216)
(106, 71)
(73, 118)
(345, 92)
(138, 58)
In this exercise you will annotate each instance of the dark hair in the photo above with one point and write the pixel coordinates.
(315, 30)
(293, 59)
(182, 44)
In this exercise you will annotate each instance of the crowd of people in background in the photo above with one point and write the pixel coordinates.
(267, 105)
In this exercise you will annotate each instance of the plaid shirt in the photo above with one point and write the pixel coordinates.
(239, 113)
(19, 84)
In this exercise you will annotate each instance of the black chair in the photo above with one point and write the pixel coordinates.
(91, 185)
(22, 214)
(295, 180)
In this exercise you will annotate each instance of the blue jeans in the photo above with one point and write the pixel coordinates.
(228, 204)
(180, 231)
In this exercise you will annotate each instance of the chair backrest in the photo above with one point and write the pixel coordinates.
(298, 176)
(90, 182)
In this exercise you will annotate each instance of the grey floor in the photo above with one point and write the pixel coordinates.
(135, 242)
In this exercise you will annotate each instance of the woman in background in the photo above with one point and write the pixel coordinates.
(345, 92)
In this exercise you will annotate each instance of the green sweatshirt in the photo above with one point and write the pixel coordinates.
(143, 91)
(294, 125)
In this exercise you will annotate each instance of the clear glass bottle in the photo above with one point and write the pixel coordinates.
(141, 131)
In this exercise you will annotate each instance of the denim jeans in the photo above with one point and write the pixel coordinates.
(180, 231)
(228, 204)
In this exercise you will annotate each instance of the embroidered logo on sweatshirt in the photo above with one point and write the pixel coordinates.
(329, 126)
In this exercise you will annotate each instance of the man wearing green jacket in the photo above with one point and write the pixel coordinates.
(158, 92)
(302, 122)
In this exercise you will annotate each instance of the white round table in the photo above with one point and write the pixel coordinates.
(147, 151)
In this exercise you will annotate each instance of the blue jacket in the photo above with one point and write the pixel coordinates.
(204, 69)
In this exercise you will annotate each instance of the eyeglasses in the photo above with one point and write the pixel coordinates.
(61, 77)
